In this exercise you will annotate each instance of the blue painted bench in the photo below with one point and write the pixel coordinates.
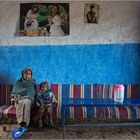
(95, 102)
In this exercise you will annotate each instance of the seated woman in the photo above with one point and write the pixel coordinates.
(22, 96)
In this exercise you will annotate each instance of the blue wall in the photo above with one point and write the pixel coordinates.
(109, 63)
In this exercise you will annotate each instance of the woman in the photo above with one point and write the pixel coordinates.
(55, 22)
(31, 22)
(23, 93)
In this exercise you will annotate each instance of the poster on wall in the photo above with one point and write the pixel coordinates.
(44, 19)
(91, 13)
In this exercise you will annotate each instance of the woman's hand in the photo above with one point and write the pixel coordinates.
(12, 101)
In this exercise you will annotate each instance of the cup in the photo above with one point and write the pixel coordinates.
(4, 128)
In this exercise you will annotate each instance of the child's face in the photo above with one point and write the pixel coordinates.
(27, 75)
(44, 88)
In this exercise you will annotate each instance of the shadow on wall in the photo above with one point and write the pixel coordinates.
(5, 79)
(17, 28)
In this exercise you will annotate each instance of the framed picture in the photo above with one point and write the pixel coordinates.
(44, 19)
(91, 13)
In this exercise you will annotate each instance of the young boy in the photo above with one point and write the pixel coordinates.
(44, 101)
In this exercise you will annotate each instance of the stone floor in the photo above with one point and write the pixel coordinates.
(82, 133)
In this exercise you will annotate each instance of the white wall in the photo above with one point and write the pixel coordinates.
(118, 23)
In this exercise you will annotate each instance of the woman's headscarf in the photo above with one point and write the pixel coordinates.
(23, 87)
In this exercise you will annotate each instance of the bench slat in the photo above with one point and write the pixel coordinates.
(99, 102)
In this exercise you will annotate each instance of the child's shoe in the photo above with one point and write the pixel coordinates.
(40, 123)
(51, 124)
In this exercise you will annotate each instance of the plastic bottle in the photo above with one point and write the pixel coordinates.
(119, 93)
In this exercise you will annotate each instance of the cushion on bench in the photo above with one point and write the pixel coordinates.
(5, 90)
(8, 111)
(133, 91)
(81, 91)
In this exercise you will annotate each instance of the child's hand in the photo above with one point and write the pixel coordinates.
(54, 104)
(13, 99)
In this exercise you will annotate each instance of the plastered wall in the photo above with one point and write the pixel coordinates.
(118, 23)
(107, 52)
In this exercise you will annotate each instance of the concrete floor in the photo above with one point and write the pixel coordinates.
(82, 133)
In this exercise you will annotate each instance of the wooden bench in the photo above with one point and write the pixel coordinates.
(8, 111)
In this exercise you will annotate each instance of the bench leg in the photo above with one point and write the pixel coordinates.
(63, 121)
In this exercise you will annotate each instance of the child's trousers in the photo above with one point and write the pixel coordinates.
(44, 109)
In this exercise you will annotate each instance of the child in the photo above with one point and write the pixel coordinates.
(23, 93)
(44, 101)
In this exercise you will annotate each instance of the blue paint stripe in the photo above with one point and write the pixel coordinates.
(64, 64)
